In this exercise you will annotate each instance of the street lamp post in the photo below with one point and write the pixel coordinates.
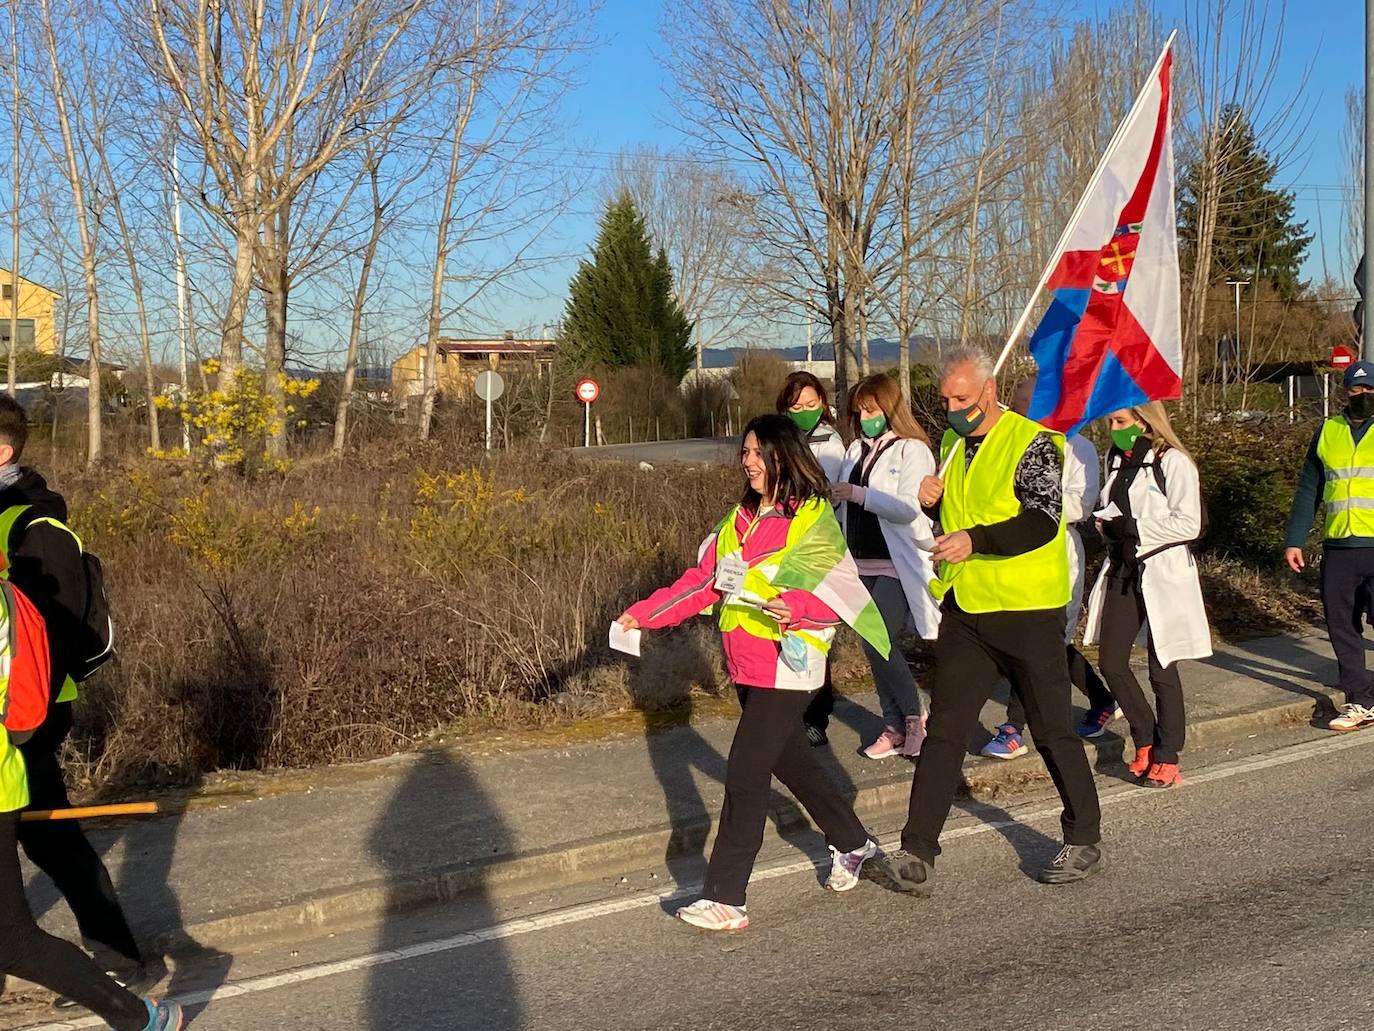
(1237, 283)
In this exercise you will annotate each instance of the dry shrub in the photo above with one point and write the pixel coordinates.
(351, 609)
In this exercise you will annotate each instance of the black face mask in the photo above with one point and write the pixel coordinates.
(1360, 406)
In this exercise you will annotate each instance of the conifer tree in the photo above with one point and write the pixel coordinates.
(1257, 237)
(621, 310)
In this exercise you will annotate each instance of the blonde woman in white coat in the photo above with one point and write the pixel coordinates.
(886, 531)
(804, 401)
(1151, 510)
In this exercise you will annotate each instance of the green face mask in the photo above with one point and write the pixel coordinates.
(807, 419)
(873, 427)
(964, 421)
(1125, 439)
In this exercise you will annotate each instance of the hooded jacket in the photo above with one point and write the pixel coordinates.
(45, 563)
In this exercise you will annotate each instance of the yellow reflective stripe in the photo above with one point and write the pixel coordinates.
(1362, 472)
(1341, 504)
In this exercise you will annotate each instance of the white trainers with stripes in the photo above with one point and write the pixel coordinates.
(714, 916)
(845, 866)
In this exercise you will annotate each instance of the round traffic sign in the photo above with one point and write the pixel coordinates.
(588, 391)
(1342, 356)
(489, 385)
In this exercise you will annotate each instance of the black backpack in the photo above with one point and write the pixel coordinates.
(95, 644)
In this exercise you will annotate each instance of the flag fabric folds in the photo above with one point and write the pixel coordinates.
(1112, 336)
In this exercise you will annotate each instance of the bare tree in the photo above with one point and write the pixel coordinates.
(505, 71)
(68, 109)
(1352, 177)
(1236, 48)
(692, 210)
(246, 78)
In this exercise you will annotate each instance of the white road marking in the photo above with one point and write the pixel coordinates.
(597, 910)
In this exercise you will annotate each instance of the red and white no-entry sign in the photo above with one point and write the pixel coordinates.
(1342, 357)
(588, 391)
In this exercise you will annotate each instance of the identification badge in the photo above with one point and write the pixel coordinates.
(730, 573)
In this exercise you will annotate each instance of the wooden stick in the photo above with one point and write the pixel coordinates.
(87, 812)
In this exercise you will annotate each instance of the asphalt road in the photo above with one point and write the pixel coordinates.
(1238, 900)
(698, 450)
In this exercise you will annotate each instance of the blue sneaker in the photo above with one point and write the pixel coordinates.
(1095, 721)
(1007, 744)
(162, 1016)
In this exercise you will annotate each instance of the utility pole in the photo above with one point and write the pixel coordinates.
(808, 336)
(1367, 344)
(181, 294)
(12, 380)
(1237, 283)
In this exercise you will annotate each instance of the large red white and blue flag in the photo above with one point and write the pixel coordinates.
(1112, 336)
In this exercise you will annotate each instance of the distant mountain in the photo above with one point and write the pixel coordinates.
(882, 353)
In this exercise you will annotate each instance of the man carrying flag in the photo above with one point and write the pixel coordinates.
(1003, 581)
(1110, 340)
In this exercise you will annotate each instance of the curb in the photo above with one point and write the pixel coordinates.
(611, 854)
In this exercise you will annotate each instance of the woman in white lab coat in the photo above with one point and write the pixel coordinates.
(1151, 511)
(804, 401)
(886, 532)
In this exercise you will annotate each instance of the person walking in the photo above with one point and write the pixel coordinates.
(1003, 583)
(887, 533)
(1339, 473)
(803, 400)
(1152, 512)
(1082, 483)
(26, 951)
(43, 559)
(780, 580)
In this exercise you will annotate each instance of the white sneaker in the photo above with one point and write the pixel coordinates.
(845, 866)
(1352, 717)
(714, 916)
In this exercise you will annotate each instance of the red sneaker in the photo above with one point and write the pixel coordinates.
(1163, 775)
(1141, 762)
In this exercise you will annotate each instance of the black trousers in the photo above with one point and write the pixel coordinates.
(1081, 675)
(822, 704)
(971, 654)
(1345, 571)
(33, 954)
(770, 741)
(1123, 614)
(61, 851)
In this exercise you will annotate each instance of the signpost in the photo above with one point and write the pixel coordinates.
(587, 392)
(489, 387)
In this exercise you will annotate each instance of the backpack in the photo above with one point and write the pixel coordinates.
(94, 645)
(1204, 524)
(28, 659)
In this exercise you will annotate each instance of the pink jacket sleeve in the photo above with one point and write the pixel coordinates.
(808, 611)
(690, 595)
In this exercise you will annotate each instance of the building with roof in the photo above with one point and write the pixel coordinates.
(460, 360)
(37, 331)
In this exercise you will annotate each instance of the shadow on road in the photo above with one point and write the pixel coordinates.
(474, 986)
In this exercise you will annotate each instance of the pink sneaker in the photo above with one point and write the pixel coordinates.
(915, 737)
(889, 743)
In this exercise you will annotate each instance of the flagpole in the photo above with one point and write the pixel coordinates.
(1053, 263)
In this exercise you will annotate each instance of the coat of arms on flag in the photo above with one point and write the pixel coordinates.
(1112, 335)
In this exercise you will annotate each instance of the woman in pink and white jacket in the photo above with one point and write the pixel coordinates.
(780, 580)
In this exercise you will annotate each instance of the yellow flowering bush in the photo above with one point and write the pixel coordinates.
(236, 420)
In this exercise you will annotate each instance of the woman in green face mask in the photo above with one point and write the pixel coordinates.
(886, 530)
(1150, 511)
(804, 401)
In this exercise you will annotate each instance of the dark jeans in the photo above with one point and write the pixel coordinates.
(771, 742)
(1123, 614)
(971, 654)
(822, 705)
(61, 851)
(1345, 573)
(37, 956)
(1081, 675)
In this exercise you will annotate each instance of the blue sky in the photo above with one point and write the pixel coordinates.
(623, 102)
